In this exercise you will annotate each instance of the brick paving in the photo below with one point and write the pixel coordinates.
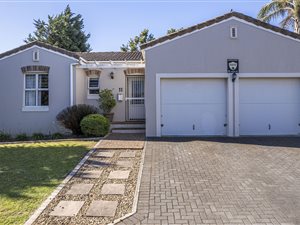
(220, 181)
(123, 141)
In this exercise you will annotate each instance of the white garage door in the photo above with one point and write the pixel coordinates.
(193, 107)
(269, 106)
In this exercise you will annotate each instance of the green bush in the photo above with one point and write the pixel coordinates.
(21, 137)
(4, 136)
(106, 100)
(57, 136)
(70, 117)
(38, 136)
(94, 125)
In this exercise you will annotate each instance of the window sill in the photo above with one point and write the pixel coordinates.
(93, 97)
(35, 108)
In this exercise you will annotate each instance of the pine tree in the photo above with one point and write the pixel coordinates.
(64, 30)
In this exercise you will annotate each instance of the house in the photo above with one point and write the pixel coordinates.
(230, 76)
(38, 80)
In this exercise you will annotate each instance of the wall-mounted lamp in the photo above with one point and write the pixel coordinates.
(112, 75)
(234, 76)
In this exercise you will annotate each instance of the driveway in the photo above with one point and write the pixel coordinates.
(220, 181)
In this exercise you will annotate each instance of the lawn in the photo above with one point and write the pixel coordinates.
(30, 172)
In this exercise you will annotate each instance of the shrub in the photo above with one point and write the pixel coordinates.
(94, 125)
(21, 137)
(4, 136)
(106, 100)
(70, 117)
(57, 136)
(38, 136)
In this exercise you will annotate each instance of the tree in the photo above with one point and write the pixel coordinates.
(288, 10)
(134, 44)
(64, 30)
(173, 30)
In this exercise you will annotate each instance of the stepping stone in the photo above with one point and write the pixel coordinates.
(119, 174)
(91, 174)
(102, 208)
(98, 164)
(80, 189)
(125, 163)
(127, 154)
(67, 208)
(113, 189)
(105, 154)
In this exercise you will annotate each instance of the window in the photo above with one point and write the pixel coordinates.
(36, 90)
(36, 56)
(233, 32)
(93, 85)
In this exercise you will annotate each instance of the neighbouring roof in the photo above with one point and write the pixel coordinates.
(111, 56)
(40, 44)
(88, 56)
(218, 20)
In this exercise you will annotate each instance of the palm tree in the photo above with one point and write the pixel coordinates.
(289, 10)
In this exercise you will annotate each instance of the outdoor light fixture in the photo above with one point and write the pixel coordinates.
(112, 75)
(234, 76)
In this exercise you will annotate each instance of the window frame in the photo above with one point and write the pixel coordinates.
(89, 95)
(37, 54)
(36, 89)
(231, 32)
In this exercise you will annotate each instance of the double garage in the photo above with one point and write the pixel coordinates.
(200, 106)
(230, 76)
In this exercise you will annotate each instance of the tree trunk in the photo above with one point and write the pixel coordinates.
(297, 26)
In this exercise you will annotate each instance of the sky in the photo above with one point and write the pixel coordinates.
(112, 23)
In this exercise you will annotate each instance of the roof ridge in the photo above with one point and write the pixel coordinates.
(216, 20)
(39, 44)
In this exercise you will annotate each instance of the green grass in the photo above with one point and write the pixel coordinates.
(30, 172)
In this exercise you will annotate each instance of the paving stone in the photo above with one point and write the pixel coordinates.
(80, 189)
(98, 164)
(123, 141)
(67, 208)
(127, 154)
(113, 189)
(102, 208)
(91, 174)
(119, 174)
(105, 154)
(125, 163)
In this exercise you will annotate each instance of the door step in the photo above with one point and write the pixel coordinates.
(131, 127)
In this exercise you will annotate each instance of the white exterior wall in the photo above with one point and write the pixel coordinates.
(119, 81)
(204, 53)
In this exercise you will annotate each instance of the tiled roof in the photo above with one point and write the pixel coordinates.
(89, 56)
(217, 20)
(111, 56)
(40, 44)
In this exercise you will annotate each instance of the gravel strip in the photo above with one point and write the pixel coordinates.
(125, 202)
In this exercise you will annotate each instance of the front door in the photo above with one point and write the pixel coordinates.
(135, 100)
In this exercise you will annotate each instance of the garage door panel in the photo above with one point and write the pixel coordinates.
(184, 91)
(272, 109)
(193, 110)
(266, 91)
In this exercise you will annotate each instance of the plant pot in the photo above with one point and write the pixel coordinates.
(109, 116)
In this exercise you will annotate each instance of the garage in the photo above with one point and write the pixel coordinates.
(193, 107)
(269, 106)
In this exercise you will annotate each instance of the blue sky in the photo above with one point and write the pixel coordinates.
(112, 23)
